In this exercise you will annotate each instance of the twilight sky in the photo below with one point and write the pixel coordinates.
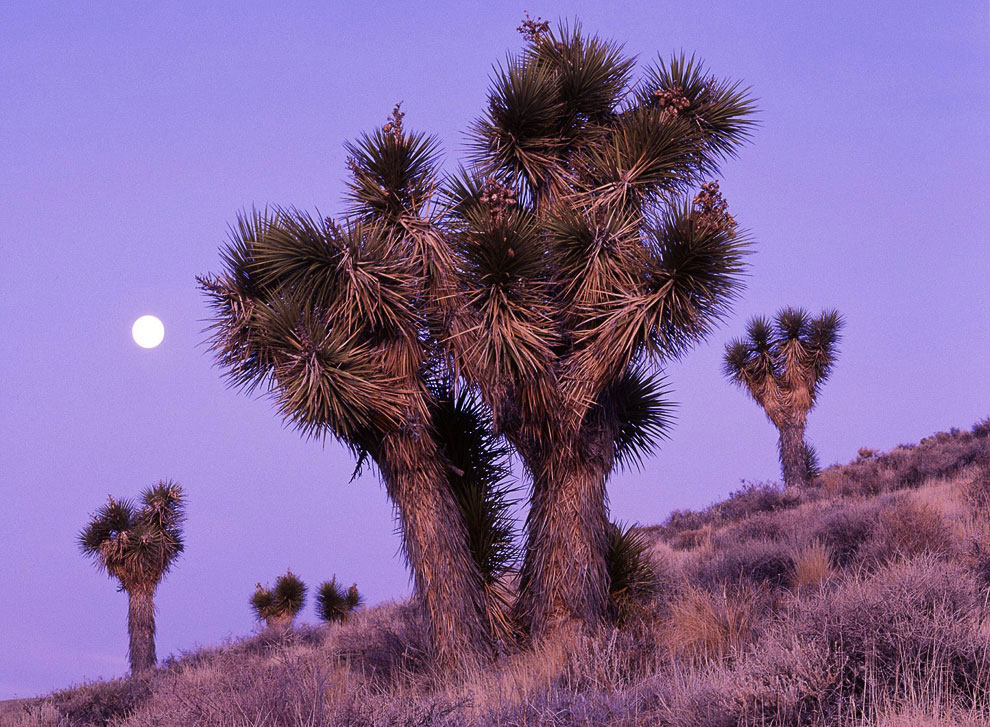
(130, 137)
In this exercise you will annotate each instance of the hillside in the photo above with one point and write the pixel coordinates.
(861, 600)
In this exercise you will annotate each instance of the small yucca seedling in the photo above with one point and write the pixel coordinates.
(334, 604)
(278, 606)
(632, 574)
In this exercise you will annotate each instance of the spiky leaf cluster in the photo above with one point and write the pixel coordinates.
(782, 363)
(597, 256)
(336, 321)
(477, 470)
(281, 602)
(632, 573)
(137, 543)
(334, 603)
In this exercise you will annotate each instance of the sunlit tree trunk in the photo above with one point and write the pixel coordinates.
(793, 457)
(447, 580)
(564, 583)
(141, 628)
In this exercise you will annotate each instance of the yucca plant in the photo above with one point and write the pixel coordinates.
(334, 603)
(339, 323)
(279, 605)
(137, 544)
(633, 577)
(591, 249)
(782, 364)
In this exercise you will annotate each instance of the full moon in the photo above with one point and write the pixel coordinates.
(148, 331)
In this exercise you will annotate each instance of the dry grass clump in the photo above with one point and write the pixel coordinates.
(705, 625)
(812, 566)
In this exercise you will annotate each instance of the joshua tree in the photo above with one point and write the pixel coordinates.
(137, 546)
(278, 606)
(340, 324)
(573, 257)
(588, 257)
(334, 603)
(782, 364)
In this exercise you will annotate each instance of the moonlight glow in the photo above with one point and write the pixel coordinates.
(148, 331)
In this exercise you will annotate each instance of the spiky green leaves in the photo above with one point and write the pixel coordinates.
(642, 412)
(279, 605)
(721, 110)
(505, 332)
(520, 136)
(477, 470)
(393, 172)
(334, 603)
(324, 318)
(632, 573)
(137, 545)
(592, 75)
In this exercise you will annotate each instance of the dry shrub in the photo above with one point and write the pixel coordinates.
(755, 497)
(691, 539)
(906, 528)
(845, 530)
(761, 526)
(752, 561)
(907, 624)
(812, 566)
(386, 645)
(976, 490)
(940, 456)
(96, 703)
(29, 713)
(930, 713)
(705, 625)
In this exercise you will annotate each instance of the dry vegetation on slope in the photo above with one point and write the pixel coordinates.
(862, 600)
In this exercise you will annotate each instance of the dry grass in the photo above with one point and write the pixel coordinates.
(812, 566)
(703, 625)
(863, 605)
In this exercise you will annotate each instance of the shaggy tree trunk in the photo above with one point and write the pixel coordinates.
(141, 628)
(564, 581)
(447, 580)
(793, 457)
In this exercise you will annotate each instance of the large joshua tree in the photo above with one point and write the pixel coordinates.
(782, 364)
(591, 249)
(137, 545)
(340, 324)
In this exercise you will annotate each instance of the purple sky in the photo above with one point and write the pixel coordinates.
(129, 139)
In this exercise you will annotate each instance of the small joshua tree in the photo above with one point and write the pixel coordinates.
(334, 604)
(783, 364)
(137, 546)
(278, 606)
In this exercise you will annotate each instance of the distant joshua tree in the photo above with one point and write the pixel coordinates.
(138, 547)
(278, 606)
(783, 364)
(334, 604)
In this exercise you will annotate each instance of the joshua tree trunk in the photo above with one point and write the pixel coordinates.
(793, 457)
(564, 580)
(141, 628)
(447, 580)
